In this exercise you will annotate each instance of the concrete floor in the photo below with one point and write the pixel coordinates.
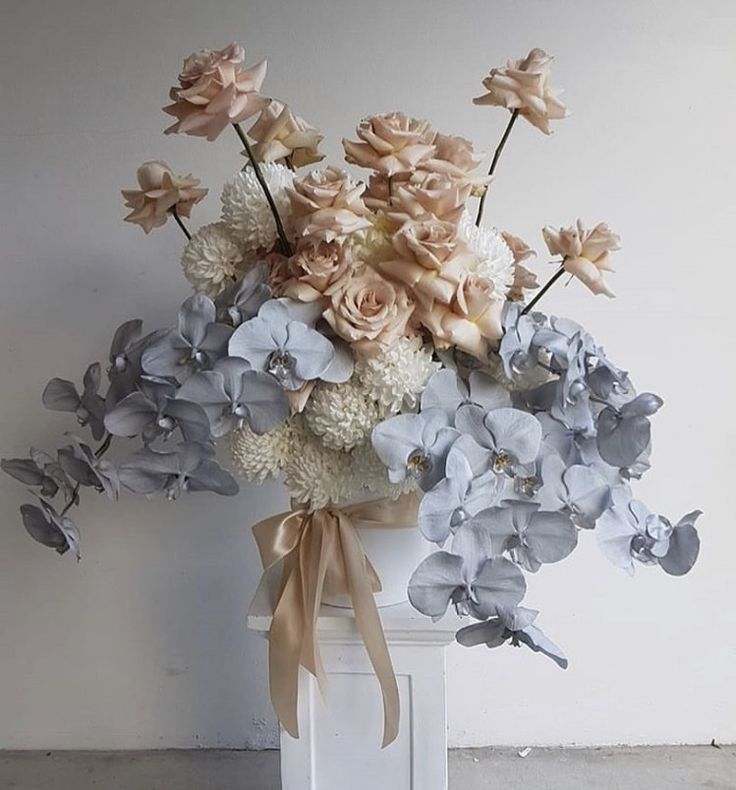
(658, 768)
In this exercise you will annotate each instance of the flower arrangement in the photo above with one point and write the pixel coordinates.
(372, 338)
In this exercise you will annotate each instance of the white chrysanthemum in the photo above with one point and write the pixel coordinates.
(245, 209)
(259, 457)
(495, 259)
(212, 259)
(341, 414)
(398, 375)
(370, 475)
(316, 474)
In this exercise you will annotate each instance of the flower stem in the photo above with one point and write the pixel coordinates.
(284, 241)
(552, 280)
(180, 223)
(494, 162)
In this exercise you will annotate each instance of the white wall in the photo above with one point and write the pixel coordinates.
(143, 643)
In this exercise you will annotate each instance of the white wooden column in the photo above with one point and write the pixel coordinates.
(339, 747)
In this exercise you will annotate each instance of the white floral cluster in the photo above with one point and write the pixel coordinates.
(495, 258)
(325, 453)
(219, 253)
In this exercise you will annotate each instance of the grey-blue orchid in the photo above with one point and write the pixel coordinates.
(242, 300)
(50, 528)
(579, 490)
(89, 406)
(80, 463)
(40, 470)
(281, 340)
(515, 626)
(232, 394)
(446, 390)
(195, 343)
(624, 433)
(124, 371)
(155, 411)
(509, 436)
(516, 350)
(457, 497)
(442, 578)
(191, 467)
(530, 536)
(628, 531)
(415, 445)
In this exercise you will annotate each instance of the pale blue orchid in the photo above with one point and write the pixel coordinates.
(581, 491)
(415, 445)
(88, 407)
(50, 528)
(191, 467)
(515, 626)
(196, 343)
(232, 394)
(530, 536)
(446, 390)
(242, 300)
(628, 531)
(155, 412)
(509, 436)
(442, 578)
(624, 433)
(460, 495)
(281, 340)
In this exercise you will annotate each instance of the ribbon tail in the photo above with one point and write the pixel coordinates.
(368, 623)
(316, 554)
(284, 648)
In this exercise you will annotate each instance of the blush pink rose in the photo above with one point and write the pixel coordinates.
(279, 134)
(390, 143)
(369, 311)
(318, 267)
(585, 253)
(524, 279)
(524, 85)
(214, 91)
(327, 204)
(160, 191)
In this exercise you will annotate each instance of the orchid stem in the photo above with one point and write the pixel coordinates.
(494, 162)
(552, 280)
(180, 223)
(285, 246)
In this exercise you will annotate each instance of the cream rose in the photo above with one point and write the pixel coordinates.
(435, 195)
(160, 191)
(214, 91)
(472, 322)
(369, 311)
(585, 252)
(523, 85)
(390, 143)
(279, 134)
(318, 267)
(327, 204)
(524, 279)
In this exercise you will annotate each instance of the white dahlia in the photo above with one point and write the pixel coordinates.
(259, 457)
(316, 474)
(342, 415)
(495, 258)
(370, 475)
(245, 209)
(398, 375)
(212, 259)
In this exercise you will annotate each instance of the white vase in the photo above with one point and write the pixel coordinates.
(395, 554)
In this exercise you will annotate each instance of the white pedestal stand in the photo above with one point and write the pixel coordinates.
(340, 738)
